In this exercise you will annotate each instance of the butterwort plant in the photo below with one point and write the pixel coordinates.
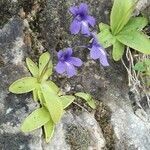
(124, 30)
(45, 92)
(52, 102)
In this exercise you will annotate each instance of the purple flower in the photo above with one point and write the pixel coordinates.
(82, 20)
(97, 51)
(67, 63)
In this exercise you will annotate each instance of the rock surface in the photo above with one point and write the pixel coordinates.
(120, 125)
(14, 108)
(77, 132)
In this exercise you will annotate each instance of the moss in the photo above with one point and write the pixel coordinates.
(77, 137)
(103, 116)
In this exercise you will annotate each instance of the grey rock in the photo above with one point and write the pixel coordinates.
(141, 5)
(131, 127)
(80, 132)
(130, 130)
(55, 22)
(14, 108)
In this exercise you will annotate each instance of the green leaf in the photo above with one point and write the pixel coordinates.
(147, 62)
(103, 26)
(44, 62)
(91, 103)
(41, 97)
(142, 65)
(135, 23)
(135, 40)
(53, 103)
(33, 68)
(118, 50)
(67, 100)
(83, 95)
(23, 85)
(105, 37)
(120, 14)
(35, 120)
(88, 99)
(139, 67)
(36, 91)
(35, 94)
(48, 71)
(49, 130)
(52, 87)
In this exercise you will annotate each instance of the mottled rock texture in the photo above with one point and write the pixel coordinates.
(119, 125)
(77, 132)
(14, 108)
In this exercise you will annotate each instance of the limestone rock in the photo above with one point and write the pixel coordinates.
(130, 126)
(80, 132)
(14, 108)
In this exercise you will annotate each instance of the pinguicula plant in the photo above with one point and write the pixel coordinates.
(52, 102)
(124, 30)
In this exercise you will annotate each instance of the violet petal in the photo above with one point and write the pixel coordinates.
(83, 8)
(71, 71)
(85, 28)
(103, 58)
(75, 26)
(95, 52)
(91, 20)
(73, 10)
(75, 61)
(68, 51)
(60, 67)
(59, 54)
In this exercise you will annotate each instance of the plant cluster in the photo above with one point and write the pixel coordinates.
(52, 102)
(124, 30)
(125, 33)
